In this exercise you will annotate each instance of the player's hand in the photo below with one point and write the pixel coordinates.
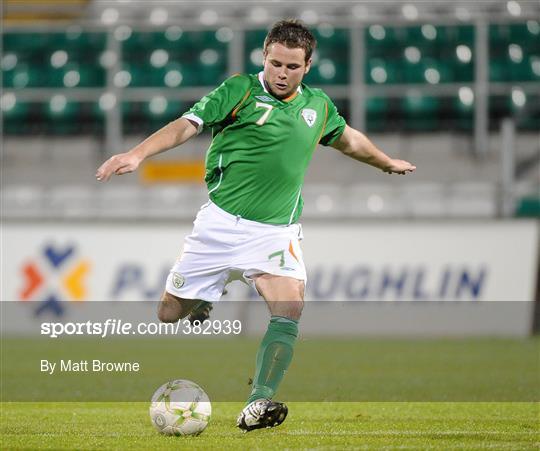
(399, 167)
(119, 164)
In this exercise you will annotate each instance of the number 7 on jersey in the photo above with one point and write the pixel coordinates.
(264, 117)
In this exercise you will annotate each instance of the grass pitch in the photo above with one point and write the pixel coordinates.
(323, 369)
(341, 379)
(310, 425)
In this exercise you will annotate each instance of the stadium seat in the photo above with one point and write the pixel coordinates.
(520, 106)
(425, 35)
(528, 207)
(459, 115)
(499, 108)
(212, 66)
(377, 109)
(27, 44)
(44, 58)
(522, 71)
(498, 69)
(174, 58)
(514, 65)
(513, 50)
(196, 58)
(137, 44)
(253, 49)
(331, 63)
(381, 71)
(461, 34)
(411, 72)
(72, 75)
(343, 107)
(62, 116)
(37, 118)
(461, 71)
(420, 113)
(24, 75)
(17, 116)
(78, 42)
(380, 40)
(502, 34)
(411, 51)
(152, 115)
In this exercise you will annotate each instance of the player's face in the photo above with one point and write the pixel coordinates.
(284, 69)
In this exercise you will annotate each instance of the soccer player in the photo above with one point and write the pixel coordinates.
(265, 128)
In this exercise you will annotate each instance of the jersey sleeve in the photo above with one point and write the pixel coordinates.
(334, 126)
(218, 105)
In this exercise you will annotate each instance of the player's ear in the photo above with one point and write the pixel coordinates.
(308, 66)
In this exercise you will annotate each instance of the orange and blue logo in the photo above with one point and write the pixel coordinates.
(57, 275)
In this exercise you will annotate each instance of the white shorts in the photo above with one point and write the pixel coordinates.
(224, 247)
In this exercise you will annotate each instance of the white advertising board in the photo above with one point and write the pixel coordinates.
(424, 261)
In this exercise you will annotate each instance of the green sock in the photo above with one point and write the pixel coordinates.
(274, 357)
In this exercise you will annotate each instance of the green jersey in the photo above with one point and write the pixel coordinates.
(261, 146)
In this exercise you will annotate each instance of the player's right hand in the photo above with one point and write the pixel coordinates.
(119, 164)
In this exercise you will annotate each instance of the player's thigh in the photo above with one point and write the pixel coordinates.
(284, 295)
(172, 308)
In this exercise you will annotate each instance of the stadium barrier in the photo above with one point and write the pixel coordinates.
(459, 278)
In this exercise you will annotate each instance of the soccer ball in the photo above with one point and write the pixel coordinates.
(180, 407)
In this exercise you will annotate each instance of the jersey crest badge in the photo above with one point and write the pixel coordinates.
(310, 116)
(178, 280)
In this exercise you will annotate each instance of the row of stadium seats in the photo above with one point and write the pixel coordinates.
(175, 39)
(419, 54)
(419, 113)
(327, 71)
(428, 35)
(378, 71)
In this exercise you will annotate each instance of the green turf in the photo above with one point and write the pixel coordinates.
(460, 370)
(313, 425)
(323, 370)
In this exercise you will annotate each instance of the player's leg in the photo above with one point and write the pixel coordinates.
(172, 308)
(199, 275)
(285, 299)
(283, 295)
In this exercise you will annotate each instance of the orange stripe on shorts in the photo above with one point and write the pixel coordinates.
(291, 250)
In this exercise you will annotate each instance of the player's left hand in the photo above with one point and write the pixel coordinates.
(122, 163)
(399, 167)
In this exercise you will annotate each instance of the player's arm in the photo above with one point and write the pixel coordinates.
(172, 135)
(356, 145)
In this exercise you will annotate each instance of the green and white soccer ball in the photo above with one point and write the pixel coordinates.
(180, 407)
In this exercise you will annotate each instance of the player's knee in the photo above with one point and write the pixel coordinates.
(287, 309)
(297, 293)
(169, 309)
(294, 309)
(301, 290)
(165, 315)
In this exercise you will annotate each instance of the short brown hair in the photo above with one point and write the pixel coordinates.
(292, 34)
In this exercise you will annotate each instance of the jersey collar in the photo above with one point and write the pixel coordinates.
(287, 99)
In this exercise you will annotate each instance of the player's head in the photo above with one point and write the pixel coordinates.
(287, 56)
